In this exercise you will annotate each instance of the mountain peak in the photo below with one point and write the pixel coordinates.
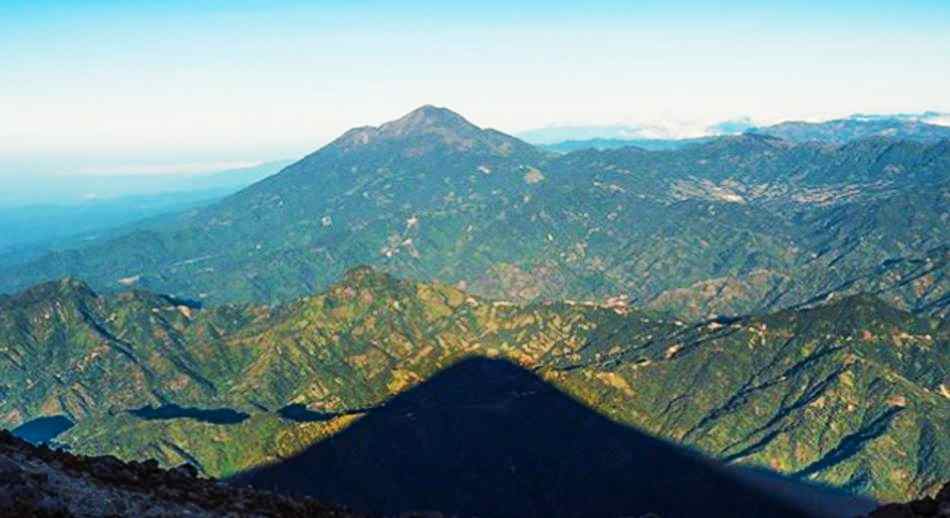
(426, 128)
(57, 290)
(365, 276)
(424, 119)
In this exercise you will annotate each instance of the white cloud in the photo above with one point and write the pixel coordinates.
(942, 119)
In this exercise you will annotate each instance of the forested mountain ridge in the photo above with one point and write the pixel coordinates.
(826, 392)
(738, 224)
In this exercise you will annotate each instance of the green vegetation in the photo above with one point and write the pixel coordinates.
(838, 253)
(829, 392)
(728, 226)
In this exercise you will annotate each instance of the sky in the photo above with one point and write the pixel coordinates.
(95, 87)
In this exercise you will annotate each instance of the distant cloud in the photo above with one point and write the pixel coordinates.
(929, 117)
(731, 127)
(941, 119)
(670, 129)
(673, 129)
(558, 133)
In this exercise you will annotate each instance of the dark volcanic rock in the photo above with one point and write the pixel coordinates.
(38, 481)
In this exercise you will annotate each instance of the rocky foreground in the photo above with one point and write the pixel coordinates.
(41, 482)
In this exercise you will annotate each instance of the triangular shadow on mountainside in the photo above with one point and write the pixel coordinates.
(486, 437)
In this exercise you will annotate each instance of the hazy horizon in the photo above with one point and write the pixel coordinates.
(125, 87)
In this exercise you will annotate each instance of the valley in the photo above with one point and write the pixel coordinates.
(822, 393)
(475, 259)
(735, 225)
(799, 286)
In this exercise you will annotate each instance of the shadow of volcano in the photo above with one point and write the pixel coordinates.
(489, 438)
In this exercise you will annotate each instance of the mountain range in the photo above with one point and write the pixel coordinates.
(824, 393)
(764, 312)
(734, 225)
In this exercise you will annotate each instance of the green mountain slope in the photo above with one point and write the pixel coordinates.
(761, 221)
(826, 392)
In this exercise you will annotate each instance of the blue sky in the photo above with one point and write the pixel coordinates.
(91, 86)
